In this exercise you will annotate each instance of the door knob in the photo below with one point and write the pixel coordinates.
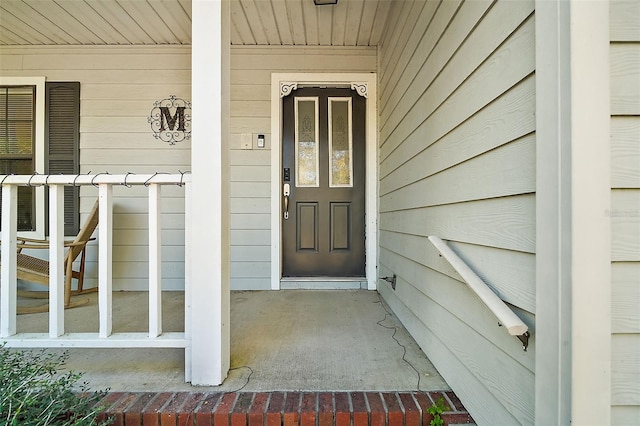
(286, 191)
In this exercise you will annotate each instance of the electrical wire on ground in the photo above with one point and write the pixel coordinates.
(248, 377)
(393, 336)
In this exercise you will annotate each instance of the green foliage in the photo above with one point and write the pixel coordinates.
(435, 410)
(34, 392)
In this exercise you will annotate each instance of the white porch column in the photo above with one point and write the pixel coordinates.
(209, 248)
(573, 288)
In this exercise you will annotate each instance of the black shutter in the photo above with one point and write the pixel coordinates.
(62, 146)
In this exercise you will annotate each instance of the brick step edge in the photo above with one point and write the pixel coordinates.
(279, 408)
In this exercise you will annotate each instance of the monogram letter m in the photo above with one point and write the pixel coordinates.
(170, 121)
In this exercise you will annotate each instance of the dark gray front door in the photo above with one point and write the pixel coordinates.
(323, 157)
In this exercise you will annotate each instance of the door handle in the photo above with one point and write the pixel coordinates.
(286, 191)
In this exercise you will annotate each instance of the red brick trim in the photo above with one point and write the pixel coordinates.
(279, 408)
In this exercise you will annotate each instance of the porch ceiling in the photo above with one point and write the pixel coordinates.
(162, 22)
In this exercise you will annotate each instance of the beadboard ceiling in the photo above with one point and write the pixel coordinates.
(149, 22)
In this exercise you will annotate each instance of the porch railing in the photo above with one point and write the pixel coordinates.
(104, 336)
(506, 317)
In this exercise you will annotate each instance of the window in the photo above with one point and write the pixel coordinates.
(39, 132)
(17, 144)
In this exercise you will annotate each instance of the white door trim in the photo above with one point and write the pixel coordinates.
(364, 83)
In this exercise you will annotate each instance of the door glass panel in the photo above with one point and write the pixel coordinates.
(306, 136)
(340, 143)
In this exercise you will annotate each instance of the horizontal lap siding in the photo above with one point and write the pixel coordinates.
(457, 160)
(625, 211)
(118, 86)
(250, 170)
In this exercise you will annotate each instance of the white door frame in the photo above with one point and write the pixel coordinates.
(365, 84)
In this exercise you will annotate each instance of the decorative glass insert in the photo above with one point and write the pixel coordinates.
(340, 143)
(306, 141)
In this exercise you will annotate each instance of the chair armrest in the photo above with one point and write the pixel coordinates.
(32, 240)
(33, 246)
(30, 243)
(77, 243)
(74, 243)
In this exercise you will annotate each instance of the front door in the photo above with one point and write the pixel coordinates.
(323, 193)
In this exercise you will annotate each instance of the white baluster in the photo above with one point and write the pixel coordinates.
(56, 260)
(8, 275)
(105, 259)
(155, 261)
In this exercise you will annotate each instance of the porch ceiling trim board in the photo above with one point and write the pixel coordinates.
(371, 202)
(573, 276)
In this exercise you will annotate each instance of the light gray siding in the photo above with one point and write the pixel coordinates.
(625, 211)
(457, 160)
(250, 169)
(118, 86)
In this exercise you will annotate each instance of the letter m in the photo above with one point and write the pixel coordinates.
(170, 121)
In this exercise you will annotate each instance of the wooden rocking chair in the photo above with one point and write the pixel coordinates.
(36, 270)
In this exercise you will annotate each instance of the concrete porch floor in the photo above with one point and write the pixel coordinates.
(288, 340)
